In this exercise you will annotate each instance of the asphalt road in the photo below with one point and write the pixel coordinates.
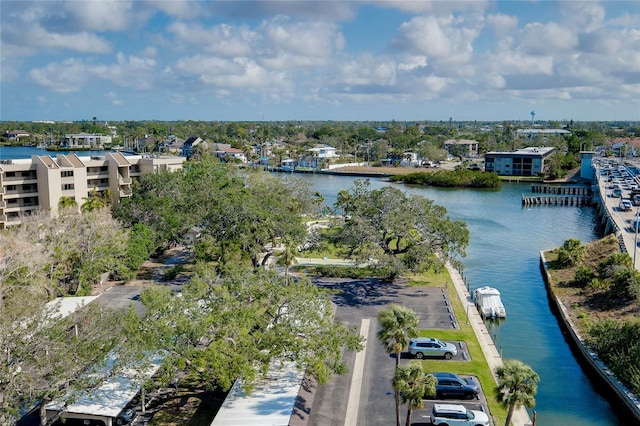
(362, 299)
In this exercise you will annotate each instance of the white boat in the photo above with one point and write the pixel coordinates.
(489, 303)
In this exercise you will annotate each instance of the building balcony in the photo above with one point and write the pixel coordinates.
(124, 181)
(19, 180)
(125, 192)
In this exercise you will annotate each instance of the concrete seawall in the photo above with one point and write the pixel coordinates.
(491, 354)
(624, 398)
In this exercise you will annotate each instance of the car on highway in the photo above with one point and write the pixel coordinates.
(625, 205)
(450, 385)
(429, 346)
(454, 415)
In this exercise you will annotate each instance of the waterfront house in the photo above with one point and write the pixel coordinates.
(522, 162)
(85, 141)
(14, 135)
(314, 157)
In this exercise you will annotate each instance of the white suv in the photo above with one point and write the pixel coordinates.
(453, 415)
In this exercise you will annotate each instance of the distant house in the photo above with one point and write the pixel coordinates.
(189, 145)
(534, 133)
(172, 145)
(464, 147)
(224, 151)
(314, 157)
(624, 146)
(15, 135)
(522, 162)
(409, 159)
(288, 165)
(85, 140)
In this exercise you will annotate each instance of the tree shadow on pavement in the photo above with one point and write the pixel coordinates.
(359, 292)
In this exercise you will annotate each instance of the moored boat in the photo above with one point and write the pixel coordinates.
(489, 303)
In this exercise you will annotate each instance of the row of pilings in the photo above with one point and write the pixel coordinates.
(559, 196)
(561, 190)
(558, 200)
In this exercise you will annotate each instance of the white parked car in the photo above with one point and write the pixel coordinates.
(428, 346)
(454, 414)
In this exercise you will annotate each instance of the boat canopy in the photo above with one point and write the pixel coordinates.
(489, 303)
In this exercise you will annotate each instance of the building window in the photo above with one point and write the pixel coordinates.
(67, 173)
(68, 186)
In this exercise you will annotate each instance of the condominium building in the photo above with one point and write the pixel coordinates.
(522, 162)
(39, 183)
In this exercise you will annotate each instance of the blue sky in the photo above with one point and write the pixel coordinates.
(319, 60)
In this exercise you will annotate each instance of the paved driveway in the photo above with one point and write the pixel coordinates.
(357, 300)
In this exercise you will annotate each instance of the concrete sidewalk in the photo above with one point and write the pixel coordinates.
(491, 354)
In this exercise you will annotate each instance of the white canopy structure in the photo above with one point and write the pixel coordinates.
(489, 303)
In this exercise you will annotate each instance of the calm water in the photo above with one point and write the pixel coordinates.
(504, 253)
(16, 152)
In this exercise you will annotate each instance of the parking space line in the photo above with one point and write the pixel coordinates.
(353, 403)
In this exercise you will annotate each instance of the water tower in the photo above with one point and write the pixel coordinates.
(533, 114)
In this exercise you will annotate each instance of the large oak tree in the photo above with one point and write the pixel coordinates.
(398, 230)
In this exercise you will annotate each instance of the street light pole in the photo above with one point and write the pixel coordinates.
(635, 240)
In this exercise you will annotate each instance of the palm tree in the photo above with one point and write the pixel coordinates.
(96, 200)
(413, 385)
(517, 386)
(66, 203)
(288, 258)
(397, 325)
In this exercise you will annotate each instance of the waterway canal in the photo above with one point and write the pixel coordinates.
(504, 253)
(506, 239)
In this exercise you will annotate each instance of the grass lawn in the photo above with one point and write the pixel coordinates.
(478, 365)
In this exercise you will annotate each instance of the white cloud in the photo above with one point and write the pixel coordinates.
(100, 15)
(72, 74)
(181, 9)
(545, 39)
(64, 77)
(239, 73)
(225, 40)
(287, 45)
(423, 35)
(582, 16)
(502, 24)
(434, 7)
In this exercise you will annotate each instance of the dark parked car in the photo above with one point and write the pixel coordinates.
(453, 386)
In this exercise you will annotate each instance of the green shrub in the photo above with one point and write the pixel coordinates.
(584, 275)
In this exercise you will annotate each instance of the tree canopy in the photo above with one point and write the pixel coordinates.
(222, 329)
(400, 231)
(236, 213)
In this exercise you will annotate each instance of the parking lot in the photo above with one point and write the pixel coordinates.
(359, 300)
